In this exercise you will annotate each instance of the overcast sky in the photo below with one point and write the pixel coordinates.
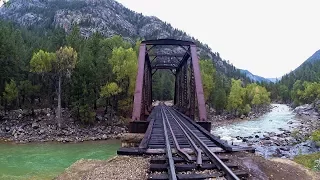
(268, 38)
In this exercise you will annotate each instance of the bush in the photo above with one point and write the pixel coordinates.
(315, 136)
(87, 115)
(246, 110)
(83, 113)
(316, 166)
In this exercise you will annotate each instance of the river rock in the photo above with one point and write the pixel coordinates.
(278, 153)
(285, 149)
(266, 142)
(266, 138)
(41, 131)
(256, 136)
(104, 136)
(13, 132)
(35, 125)
(242, 116)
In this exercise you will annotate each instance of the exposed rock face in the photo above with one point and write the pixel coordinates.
(107, 17)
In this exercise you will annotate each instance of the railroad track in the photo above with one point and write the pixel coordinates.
(188, 150)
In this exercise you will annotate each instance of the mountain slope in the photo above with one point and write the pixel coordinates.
(314, 57)
(105, 16)
(307, 71)
(255, 78)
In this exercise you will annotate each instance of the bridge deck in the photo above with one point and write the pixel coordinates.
(181, 145)
(154, 137)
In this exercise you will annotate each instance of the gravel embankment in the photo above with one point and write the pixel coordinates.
(117, 168)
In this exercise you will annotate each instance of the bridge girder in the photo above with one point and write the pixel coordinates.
(188, 96)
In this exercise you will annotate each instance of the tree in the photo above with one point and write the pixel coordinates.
(124, 68)
(220, 100)
(10, 92)
(109, 92)
(261, 96)
(207, 75)
(66, 62)
(57, 64)
(311, 92)
(284, 93)
(296, 92)
(235, 98)
(27, 90)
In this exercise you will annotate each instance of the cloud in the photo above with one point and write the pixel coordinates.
(268, 38)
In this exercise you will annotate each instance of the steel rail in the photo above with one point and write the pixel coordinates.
(171, 169)
(180, 152)
(212, 156)
(195, 147)
(220, 143)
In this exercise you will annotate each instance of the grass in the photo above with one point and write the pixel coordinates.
(307, 160)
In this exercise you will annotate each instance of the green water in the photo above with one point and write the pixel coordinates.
(47, 160)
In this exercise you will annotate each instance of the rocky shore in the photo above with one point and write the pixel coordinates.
(40, 126)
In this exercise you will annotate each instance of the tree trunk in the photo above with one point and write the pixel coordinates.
(59, 102)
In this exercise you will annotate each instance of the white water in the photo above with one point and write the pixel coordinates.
(278, 118)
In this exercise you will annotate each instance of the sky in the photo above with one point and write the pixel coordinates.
(269, 38)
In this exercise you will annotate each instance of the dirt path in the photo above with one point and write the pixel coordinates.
(273, 169)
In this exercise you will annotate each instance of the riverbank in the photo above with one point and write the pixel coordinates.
(21, 127)
(273, 168)
(227, 118)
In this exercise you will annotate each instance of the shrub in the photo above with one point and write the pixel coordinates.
(316, 166)
(315, 136)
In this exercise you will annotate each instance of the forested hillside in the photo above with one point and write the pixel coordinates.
(300, 86)
(94, 72)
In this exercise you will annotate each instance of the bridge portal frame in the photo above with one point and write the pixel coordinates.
(188, 84)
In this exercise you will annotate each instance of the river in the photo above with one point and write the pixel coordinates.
(256, 131)
(271, 122)
(47, 160)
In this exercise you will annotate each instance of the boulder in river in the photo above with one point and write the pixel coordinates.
(35, 125)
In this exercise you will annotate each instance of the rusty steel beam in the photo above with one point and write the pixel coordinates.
(164, 67)
(166, 55)
(168, 42)
(192, 93)
(137, 102)
(198, 84)
(184, 60)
